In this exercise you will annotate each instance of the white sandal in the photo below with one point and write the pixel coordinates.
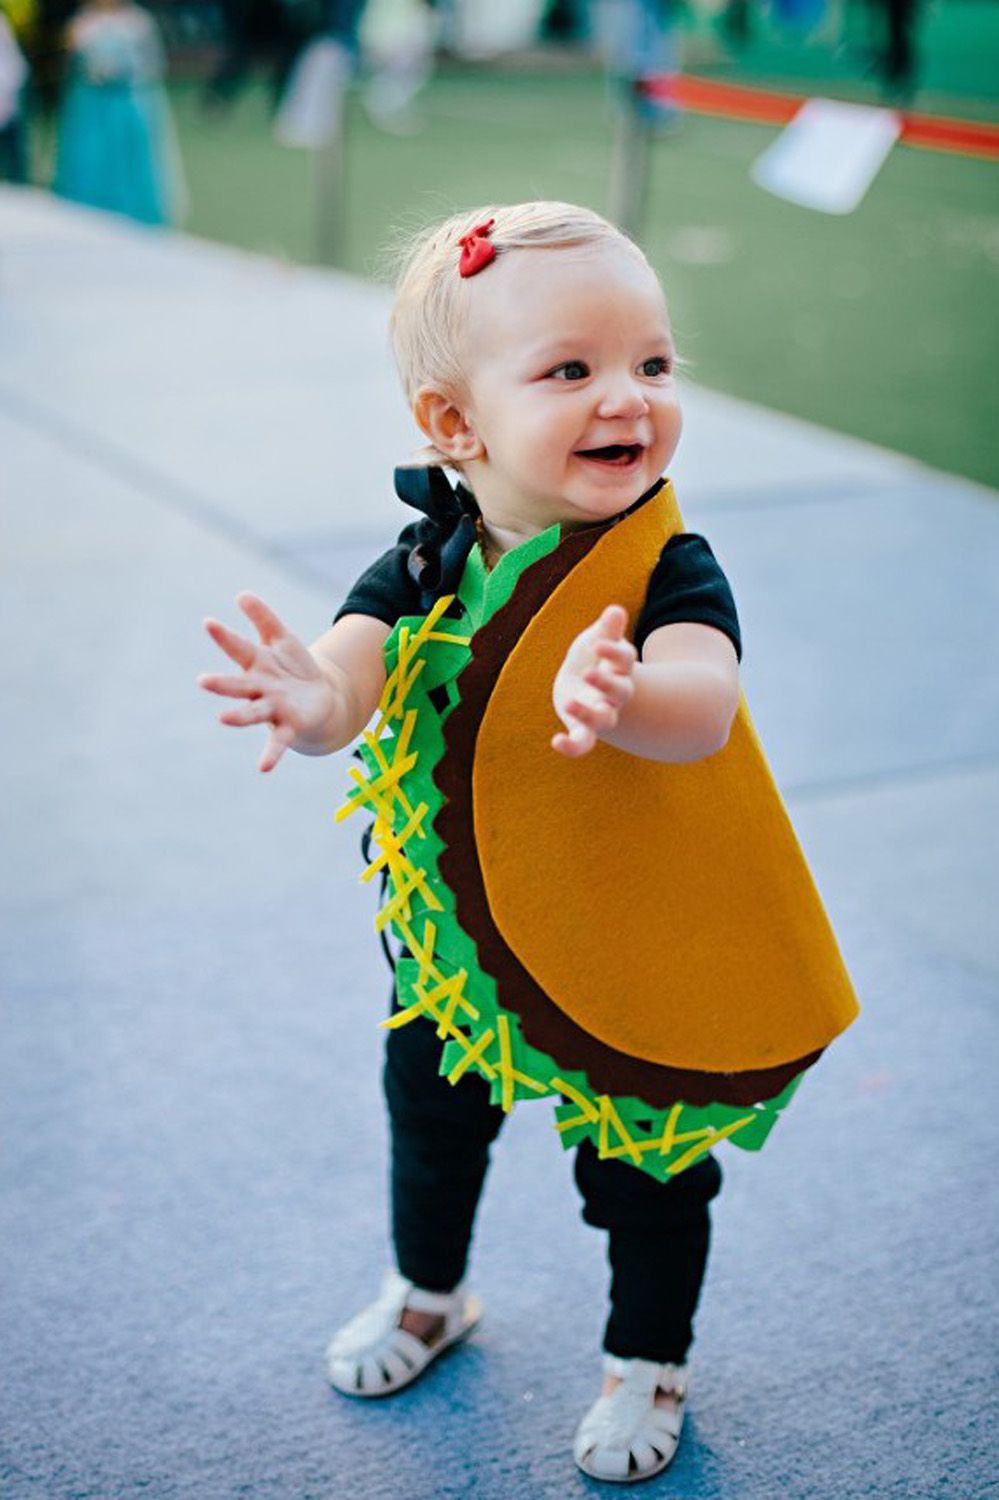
(625, 1436)
(372, 1356)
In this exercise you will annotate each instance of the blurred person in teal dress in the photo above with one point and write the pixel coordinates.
(116, 146)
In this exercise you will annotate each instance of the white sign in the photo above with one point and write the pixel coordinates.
(828, 155)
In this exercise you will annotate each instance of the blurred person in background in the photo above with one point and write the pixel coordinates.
(800, 16)
(273, 34)
(391, 42)
(13, 77)
(46, 51)
(116, 148)
(898, 64)
(397, 39)
(641, 39)
(270, 32)
(566, 21)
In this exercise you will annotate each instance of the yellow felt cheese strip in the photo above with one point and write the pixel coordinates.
(667, 909)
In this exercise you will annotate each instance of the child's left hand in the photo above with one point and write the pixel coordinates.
(594, 683)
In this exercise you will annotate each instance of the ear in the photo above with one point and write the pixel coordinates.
(446, 423)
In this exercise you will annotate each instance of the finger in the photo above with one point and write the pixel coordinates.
(614, 689)
(578, 741)
(591, 699)
(242, 651)
(260, 711)
(621, 654)
(278, 742)
(613, 622)
(595, 716)
(604, 679)
(268, 625)
(230, 687)
(583, 712)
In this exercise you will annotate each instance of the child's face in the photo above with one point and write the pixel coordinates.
(570, 390)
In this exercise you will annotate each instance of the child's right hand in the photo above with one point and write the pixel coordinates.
(284, 685)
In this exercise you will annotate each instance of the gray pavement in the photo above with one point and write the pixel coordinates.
(193, 1145)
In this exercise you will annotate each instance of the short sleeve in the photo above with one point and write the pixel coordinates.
(688, 586)
(387, 590)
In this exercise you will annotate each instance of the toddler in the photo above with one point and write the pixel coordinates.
(536, 352)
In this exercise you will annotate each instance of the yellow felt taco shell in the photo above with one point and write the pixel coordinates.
(667, 909)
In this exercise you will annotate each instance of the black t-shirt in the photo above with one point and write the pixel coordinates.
(686, 585)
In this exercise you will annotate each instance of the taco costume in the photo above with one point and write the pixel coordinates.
(641, 941)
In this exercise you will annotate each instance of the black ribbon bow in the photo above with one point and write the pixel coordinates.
(437, 561)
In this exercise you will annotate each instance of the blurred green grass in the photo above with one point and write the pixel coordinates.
(881, 323)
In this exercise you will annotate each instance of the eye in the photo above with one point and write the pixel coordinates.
(573, 369)
(661, 364)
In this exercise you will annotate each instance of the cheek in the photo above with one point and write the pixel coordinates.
(532, 430)
(543, 425)
(563, 420)
(670, 423)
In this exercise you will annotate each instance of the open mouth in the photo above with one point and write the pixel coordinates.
(615, 455)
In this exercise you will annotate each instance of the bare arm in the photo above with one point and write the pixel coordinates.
(314, 700)
(676, 704)
(349, 655)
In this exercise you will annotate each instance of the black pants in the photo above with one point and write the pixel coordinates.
(441, 1135)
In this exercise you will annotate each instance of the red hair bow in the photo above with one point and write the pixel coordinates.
(477, 250)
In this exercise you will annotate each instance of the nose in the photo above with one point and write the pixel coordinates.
(624, 398)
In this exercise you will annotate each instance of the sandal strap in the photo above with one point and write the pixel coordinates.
(441, 1303)
(646, 1375)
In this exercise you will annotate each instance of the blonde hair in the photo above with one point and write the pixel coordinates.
(431, 301)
